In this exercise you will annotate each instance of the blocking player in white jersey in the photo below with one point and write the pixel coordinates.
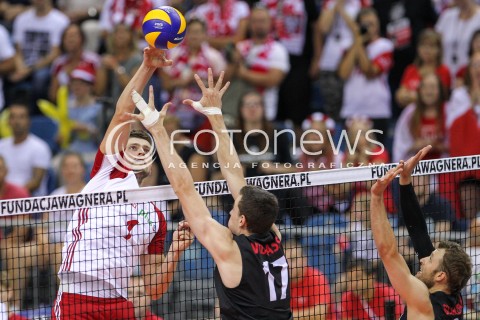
(104, 244)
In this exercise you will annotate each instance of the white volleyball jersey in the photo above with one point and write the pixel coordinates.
(103, 244)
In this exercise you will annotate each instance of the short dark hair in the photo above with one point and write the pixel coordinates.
(259, 207)
(141, 134)
(456, 264)
(20, 104)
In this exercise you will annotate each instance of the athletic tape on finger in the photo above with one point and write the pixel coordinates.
(150, 116)
(206, 110)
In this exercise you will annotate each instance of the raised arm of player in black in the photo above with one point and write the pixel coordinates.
(415, 222)
(411, 210)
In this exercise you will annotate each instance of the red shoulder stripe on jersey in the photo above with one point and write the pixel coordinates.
(157, 244)
(121, 172)
(97, 164)
(115, 173)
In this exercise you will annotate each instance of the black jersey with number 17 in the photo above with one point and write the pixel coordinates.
(264, 290)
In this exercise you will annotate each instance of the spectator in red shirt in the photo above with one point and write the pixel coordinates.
(128, 12)
(423, 122)
(428, 59)
(73, 56)
(366, 298)
(463, 126)
(463, 113)
(227, 20)
(141, 300)
(309, 288)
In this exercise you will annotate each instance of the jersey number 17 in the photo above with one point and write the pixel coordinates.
(277, 276)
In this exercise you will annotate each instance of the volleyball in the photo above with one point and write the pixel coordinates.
(164, 27)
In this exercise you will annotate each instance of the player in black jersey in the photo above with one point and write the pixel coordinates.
(434, 292)
(251, 273)
(447, 303)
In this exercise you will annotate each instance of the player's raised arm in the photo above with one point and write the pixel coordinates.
(413, 291)
(215, 237)
(411, 211)
(211, 105)
(152, 59)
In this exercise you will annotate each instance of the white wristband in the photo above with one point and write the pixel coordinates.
(206, 110)
(150, 116)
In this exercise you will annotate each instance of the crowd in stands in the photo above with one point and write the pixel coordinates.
(371, 81)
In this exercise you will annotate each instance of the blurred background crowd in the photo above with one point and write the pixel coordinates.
(385, 77)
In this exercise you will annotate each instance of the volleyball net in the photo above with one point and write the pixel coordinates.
(335, 270)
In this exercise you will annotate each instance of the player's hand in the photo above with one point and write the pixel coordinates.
(155, 58)
(149, 116)
(182, 237)
(211, 95)
(379, 187)
(410, 164)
